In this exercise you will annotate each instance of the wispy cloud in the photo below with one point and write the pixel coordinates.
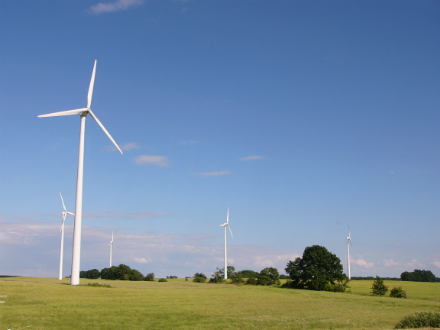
(254, 157)
(389, 263)
(160, 161)
(436, 264)
(184, 143)
(362, 263)
(144, 215)
(113, 6)
(213, 173)
(126, 147)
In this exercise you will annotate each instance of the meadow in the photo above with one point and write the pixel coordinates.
(45, 303)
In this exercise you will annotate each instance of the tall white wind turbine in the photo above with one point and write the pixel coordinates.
(65, 213)
(348, 253)
(83, 112)
(226, 258)
(111, 249)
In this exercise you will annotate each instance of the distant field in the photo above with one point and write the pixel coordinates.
(41, 303)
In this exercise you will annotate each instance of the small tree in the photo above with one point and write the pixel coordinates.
(199, 278)
(149, 277)
(397, 292)
(236, 278)
(217, 277)
(268, 276)
(378, 288)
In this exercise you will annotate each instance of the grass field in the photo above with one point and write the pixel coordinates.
(42, 303)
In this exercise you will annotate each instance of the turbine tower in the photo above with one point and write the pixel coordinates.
(83, 112)
(226, 258)
(111, 249)
(64, 214)
(348, 253)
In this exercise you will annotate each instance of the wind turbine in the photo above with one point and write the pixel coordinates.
(348, 252)
(65, 213)
(226, 224)
(111, 246)
(83, 112)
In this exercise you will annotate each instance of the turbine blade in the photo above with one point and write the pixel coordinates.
(92, 82)
(230, 231)
(64, 113)
(105, 131)
(64, 206)
(227, 218)
(70, 213)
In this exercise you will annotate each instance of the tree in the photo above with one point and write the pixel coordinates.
(136, 275)
(218, 276)
(397, 292)
(379, 288)
(199, 278)
(236, 278)
(249, 273)
(315, 269)
(268, 276)
(149, 277)
(418, 276)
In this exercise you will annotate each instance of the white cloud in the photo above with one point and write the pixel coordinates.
(142, 260)
(414, 263)
(213, 173)
(255, 157)
(126, 147)
(160, 161)
(113, 6)
(389, 263)
(436, 264)
(362, 263)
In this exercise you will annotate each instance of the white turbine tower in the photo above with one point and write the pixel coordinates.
(65, 213)
(348, 253)
(226, 258)
(111, 249)
(83, 112)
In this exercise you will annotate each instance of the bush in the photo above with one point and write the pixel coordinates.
(251, 281)
(162, 280)
(135, 275)
(337, 287)
(199, 279)
(397, 292)
(200, 275)
(420, 320)
(237, 278)
(378, 288)
(268, 276)
(97, 285)
(217, 277)
(149, 277)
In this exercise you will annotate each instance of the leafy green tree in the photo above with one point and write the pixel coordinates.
(249, 273)
(315, 269)
(268, 276)
(418, 276)
(379, 288)
(397, 292)
(218, 276)
(149, 277)
(136, 275)
(236, 278)
(112, 273)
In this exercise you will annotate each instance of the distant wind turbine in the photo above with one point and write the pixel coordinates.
(111, 249)
(65, 213)
(83, 112)
(226, 258)
(348, 252)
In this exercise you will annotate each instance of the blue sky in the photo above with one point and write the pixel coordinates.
(303, 117)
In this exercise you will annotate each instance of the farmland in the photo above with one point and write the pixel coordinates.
(42, 303)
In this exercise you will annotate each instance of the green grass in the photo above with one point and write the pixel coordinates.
(41, 303)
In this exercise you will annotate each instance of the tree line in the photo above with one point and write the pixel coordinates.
(419, 276)
(121, 272)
